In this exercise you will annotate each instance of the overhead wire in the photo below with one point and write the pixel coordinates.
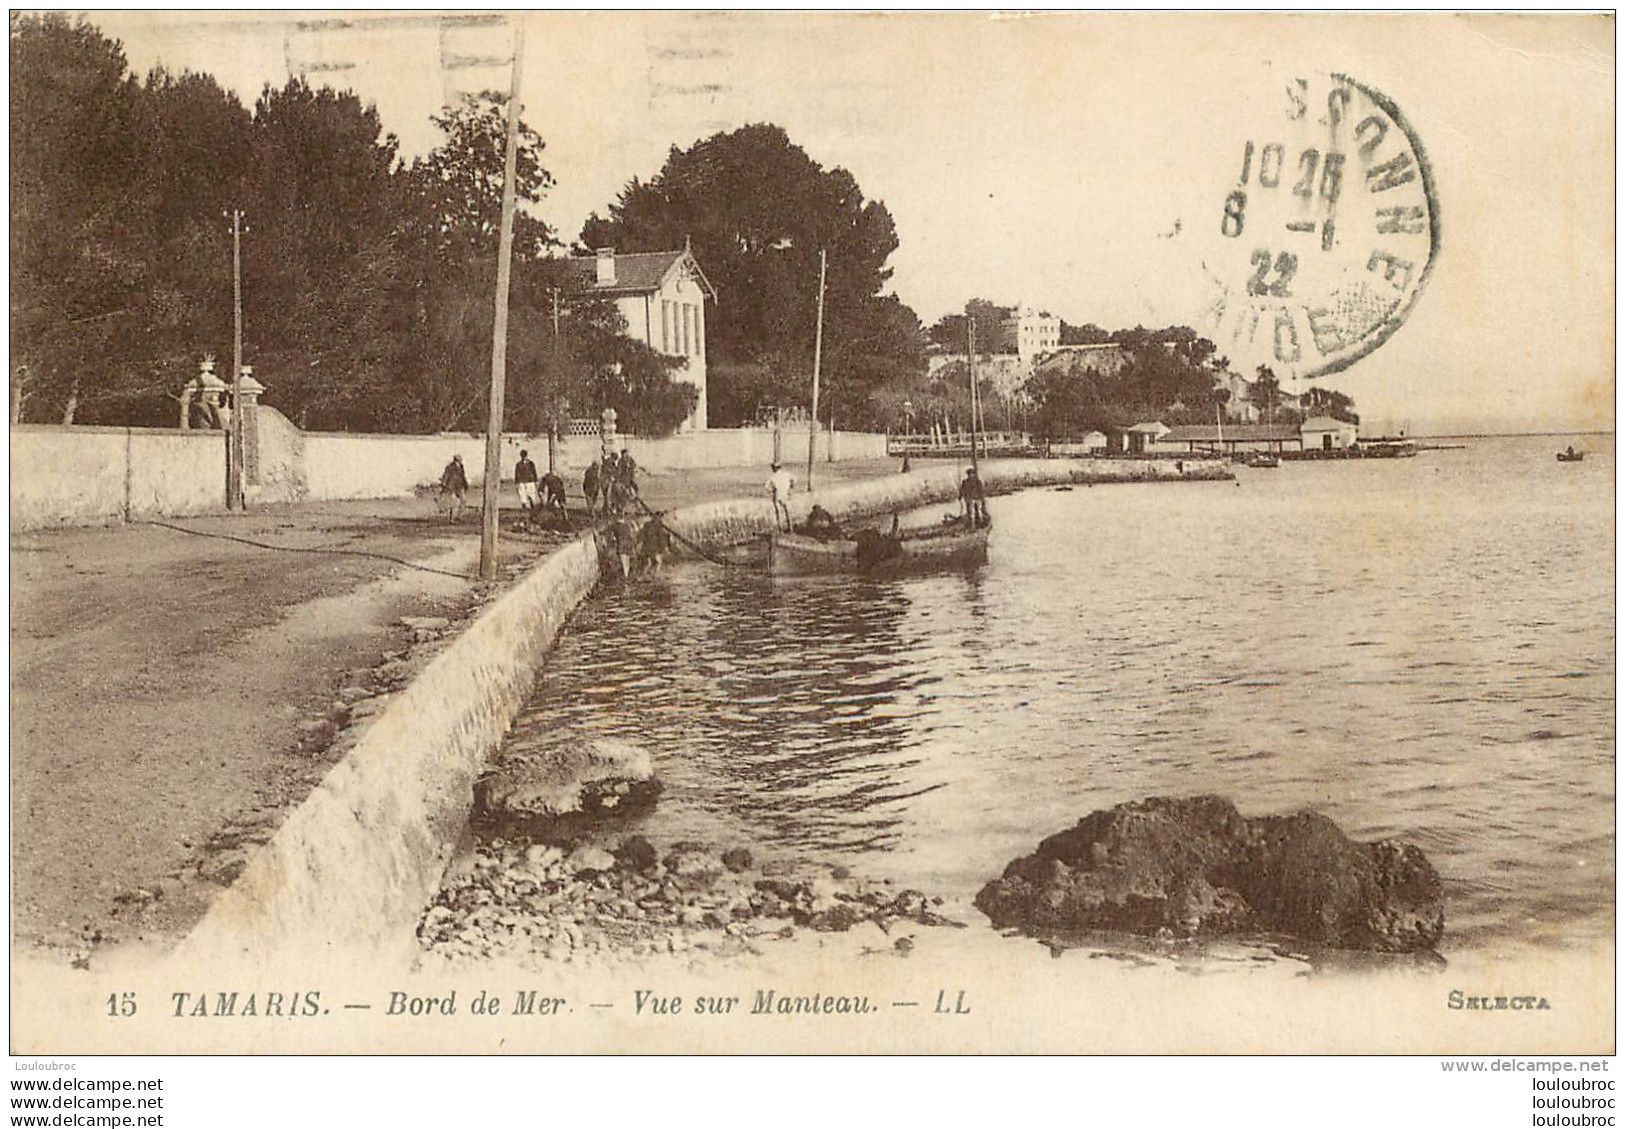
(323, 550)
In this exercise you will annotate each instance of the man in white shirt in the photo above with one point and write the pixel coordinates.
(779, 485)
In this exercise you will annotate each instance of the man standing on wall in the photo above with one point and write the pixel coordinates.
(779, 485)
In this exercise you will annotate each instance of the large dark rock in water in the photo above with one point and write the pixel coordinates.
(557, 792)
(1198, 866)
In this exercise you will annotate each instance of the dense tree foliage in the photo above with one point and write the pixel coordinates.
(1087, 334)
(1172, 375)
(757, 211)
(1169, 375)
(1318, 401)
(951, 331)
(116, 193)
(919, 401)
(367, 283)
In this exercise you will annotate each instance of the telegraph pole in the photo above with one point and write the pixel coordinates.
(970, 360)
(818, 356)
(553, 400)
(234, 449)
(499, 332)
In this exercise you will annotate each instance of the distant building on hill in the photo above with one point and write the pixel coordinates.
(661, 294)
(1033, 333)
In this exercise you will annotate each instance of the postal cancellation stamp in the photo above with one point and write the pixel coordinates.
(1326, 236)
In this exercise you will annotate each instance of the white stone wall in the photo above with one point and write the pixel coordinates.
(86, 475)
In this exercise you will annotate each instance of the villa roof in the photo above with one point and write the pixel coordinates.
(641, 272)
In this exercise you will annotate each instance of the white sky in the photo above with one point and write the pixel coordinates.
(1045, 159)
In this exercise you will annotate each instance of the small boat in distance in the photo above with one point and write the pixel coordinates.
(1261, 459)
(1570, 456)
(870, 553)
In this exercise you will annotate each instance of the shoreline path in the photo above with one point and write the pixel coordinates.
(168, 690)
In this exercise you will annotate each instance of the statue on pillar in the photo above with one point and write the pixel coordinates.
(209, 393)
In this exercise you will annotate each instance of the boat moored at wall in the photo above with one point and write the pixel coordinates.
(875, 554)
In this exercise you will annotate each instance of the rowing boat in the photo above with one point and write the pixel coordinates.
(873, 554)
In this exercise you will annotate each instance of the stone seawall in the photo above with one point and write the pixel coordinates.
(739, 519)
(347, 876)
(350, 870)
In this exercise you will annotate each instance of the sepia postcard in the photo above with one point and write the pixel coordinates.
(878, 533)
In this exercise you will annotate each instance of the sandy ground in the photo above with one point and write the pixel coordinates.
(167, 690)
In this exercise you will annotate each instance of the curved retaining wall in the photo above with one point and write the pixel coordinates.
(347, 876)
(349, 872)
(739, 519)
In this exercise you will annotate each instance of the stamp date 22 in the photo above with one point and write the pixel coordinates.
(1327, 236)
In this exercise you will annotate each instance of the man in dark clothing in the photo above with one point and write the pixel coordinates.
(820, 523)
(654, 542)
(609, 483)
(552, 491)
(629, 476)
(589, 487)
(524, 477)
(974, 500)
(454, 485)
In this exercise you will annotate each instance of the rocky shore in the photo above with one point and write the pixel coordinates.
(618, 900)
(1196, 866)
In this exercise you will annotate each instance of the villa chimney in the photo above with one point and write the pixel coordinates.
(606, 266)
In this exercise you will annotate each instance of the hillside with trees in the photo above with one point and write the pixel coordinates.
(367, 280)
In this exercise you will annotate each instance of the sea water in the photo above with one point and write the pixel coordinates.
(1417, 648)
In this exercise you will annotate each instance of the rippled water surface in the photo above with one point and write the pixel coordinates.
(1420, 648)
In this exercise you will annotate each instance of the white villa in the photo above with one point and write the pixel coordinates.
(1033, 332)
(662, 296)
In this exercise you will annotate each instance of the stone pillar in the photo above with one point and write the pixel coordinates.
(251, 426)
(606, 434)
(210, 391)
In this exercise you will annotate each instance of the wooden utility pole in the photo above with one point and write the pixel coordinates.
(970, 358)
(499, 331)
(234, 442)
(553, 399)
(818, 358)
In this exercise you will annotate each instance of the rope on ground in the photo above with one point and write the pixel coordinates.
(693, 546)
(298, 549)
